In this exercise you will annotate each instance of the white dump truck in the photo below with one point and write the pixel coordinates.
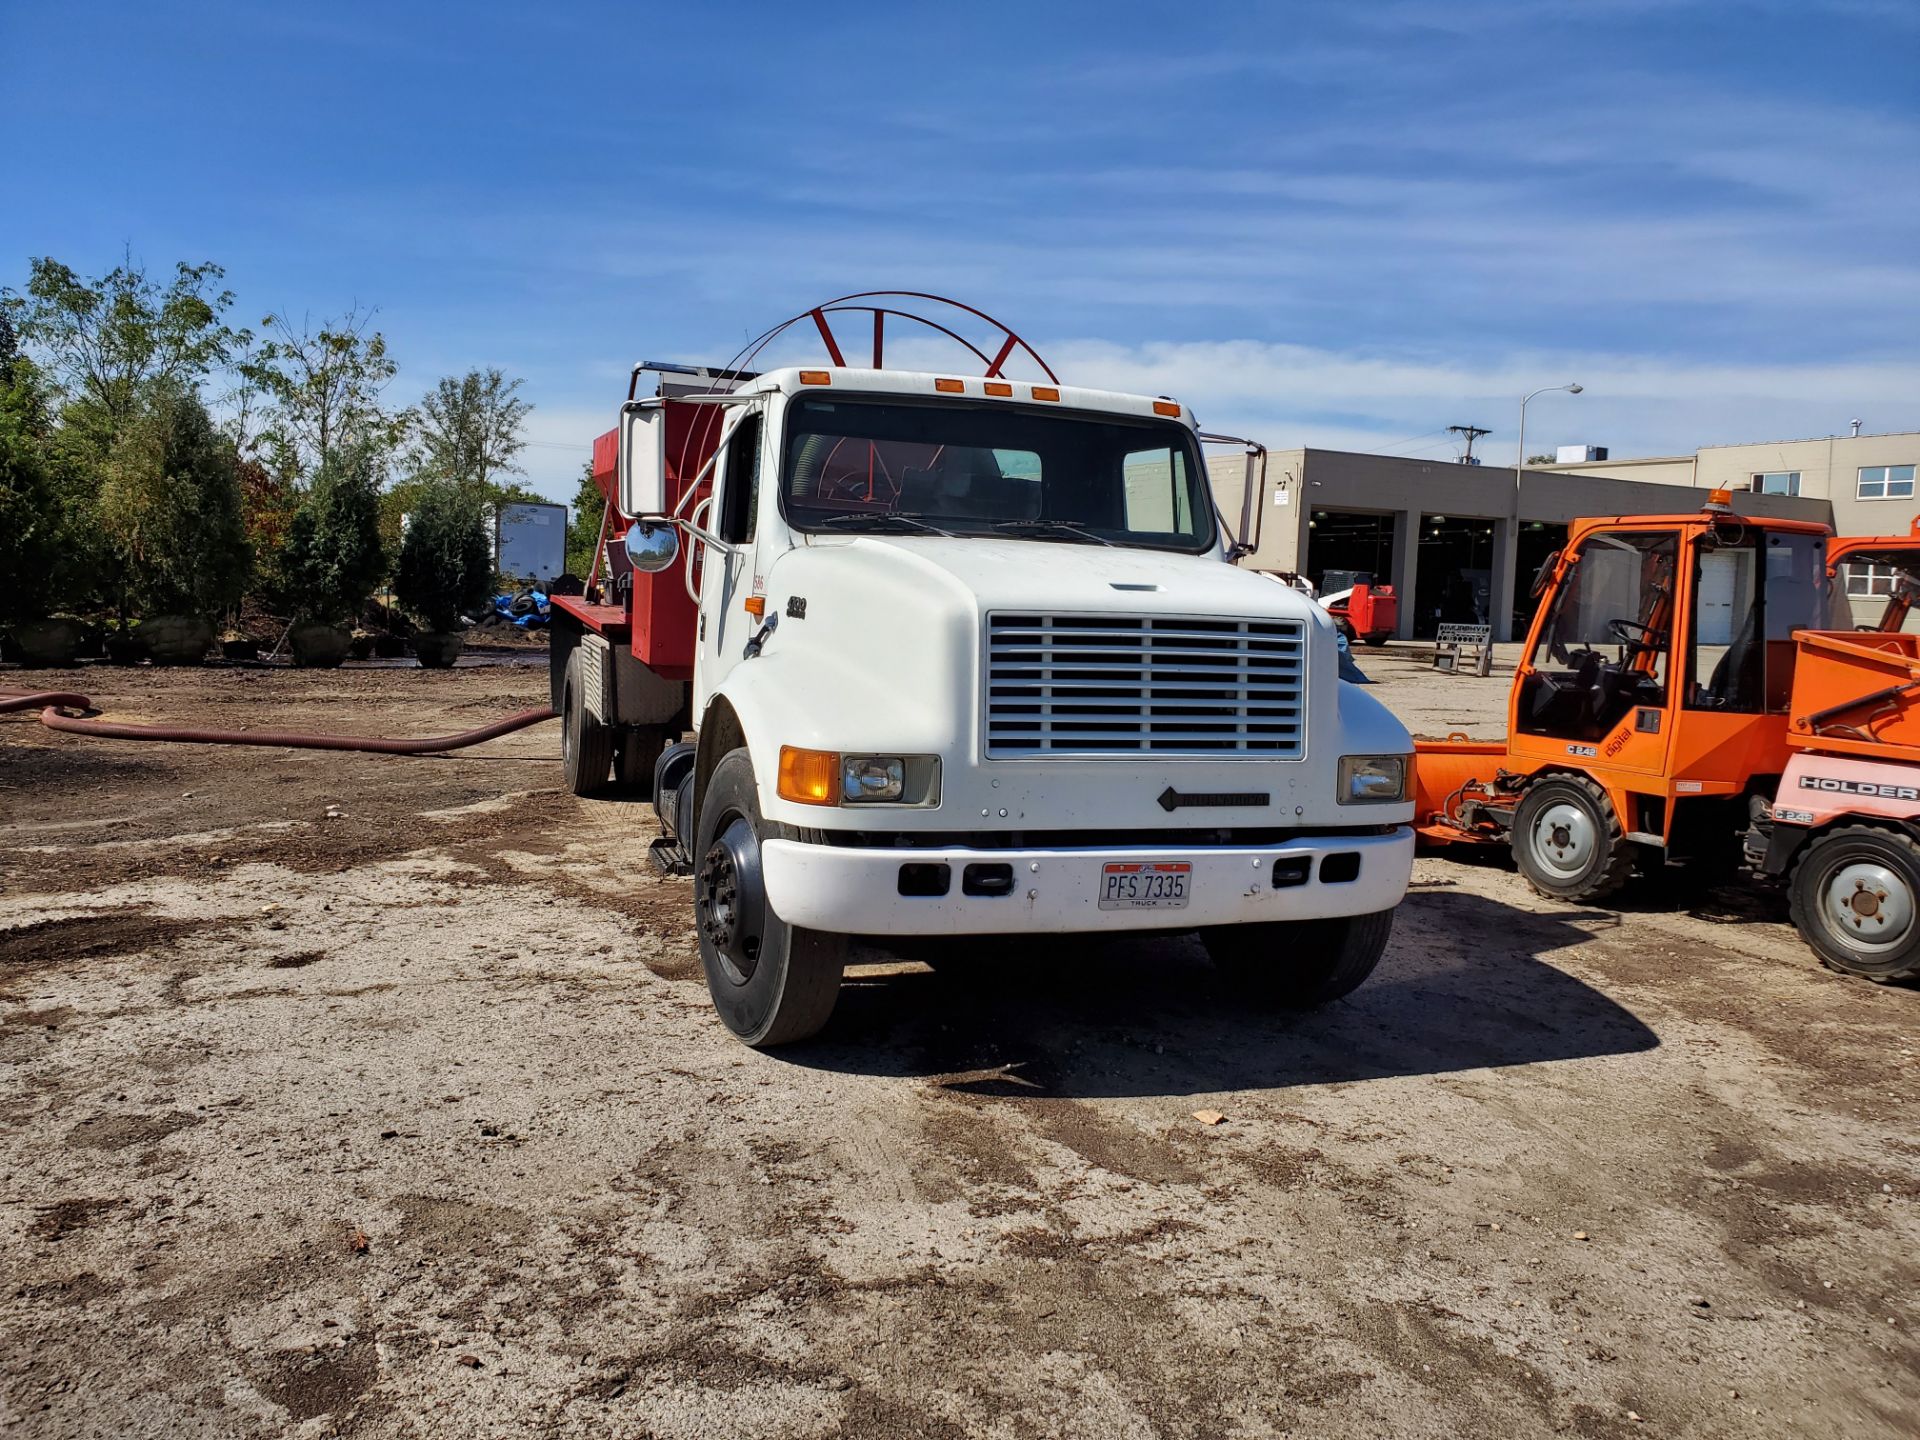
(964, 655)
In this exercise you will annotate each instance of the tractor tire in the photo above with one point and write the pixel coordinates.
(772, 983)
(1346, 628)
(1855, 897)
(636, 750)
(1568, 842)
(1376, 641)
(586, 746)
(1299, 964)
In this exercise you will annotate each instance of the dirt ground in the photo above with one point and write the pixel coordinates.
(412, 1119)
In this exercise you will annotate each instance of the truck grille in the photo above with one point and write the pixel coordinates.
(1135, 684)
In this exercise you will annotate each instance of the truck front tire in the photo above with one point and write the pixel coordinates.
(772, 983)
(1855, 895)
(1300, 964)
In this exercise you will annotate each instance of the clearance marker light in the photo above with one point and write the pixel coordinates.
(997, 387)
(756, 605)
(1045, 392)
(951, 387)
(816, 377)
(1166, 407)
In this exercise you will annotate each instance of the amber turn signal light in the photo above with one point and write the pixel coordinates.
(756, 605)
(809, 777)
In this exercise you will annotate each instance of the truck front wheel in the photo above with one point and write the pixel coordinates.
(772, 983)
(1300, 964)
(1855, 892)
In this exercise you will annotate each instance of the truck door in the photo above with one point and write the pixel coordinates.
(728, 580)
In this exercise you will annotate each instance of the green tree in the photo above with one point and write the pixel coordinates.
(583, 529)
(333, 557)
(29, 508)
(446, 562)
(324, 391)
(170, 508)
(107, 341)
(468, 431)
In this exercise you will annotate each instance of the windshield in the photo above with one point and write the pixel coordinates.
(956, 469)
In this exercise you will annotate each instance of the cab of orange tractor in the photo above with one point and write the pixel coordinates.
(1648, 716)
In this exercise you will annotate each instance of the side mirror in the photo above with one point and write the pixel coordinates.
(652, 547)
(643, 459)
(1543, 576)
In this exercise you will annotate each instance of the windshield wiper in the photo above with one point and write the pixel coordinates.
(1075, 529)
(879, 518)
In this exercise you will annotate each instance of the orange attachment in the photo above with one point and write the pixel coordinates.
(816, 377)
(1856, 693)
(809, 777)
(1166, 407)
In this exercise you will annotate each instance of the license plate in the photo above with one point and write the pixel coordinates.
(1157, 885)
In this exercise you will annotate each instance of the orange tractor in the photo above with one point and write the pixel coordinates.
(1694, 692)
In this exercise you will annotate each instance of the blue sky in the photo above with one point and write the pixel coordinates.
(1346, 224)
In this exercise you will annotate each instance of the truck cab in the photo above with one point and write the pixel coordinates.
(969, 657)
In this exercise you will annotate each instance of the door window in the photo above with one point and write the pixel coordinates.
(1604, 648)
(740, 483)
(1749, 598)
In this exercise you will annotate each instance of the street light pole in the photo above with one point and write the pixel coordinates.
(1520, 457)
(1519, 469)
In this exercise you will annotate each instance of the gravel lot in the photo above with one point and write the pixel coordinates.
(414, 1120)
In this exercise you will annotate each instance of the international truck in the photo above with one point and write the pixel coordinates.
(906, 653)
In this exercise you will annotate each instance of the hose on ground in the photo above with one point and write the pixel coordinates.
(53, 704)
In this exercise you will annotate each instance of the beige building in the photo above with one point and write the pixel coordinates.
(1868, 480)
(1454, 540)
(1867, 483)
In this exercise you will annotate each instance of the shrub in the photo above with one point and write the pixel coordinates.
(170, 509)
(446, 562)
(332, 558)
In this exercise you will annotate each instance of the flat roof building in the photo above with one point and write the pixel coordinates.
(1462, 542)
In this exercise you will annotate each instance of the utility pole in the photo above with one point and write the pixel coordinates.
(1472, 433)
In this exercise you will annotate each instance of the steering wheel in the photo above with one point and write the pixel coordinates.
(1648, 639)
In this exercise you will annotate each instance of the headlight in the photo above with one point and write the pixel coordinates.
(828, 777)
(871, 777)
(1374, 779)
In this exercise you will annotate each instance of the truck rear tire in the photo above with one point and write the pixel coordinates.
(586, 746)
(1568, 842)
(1300, 964)
(773, 983)
(1855, 897)
(636, 750)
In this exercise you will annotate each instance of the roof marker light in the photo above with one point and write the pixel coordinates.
(1166, 407)
(950, 387)
(997, 387)
(1045, 392)
(816, 377)
(1719, 502)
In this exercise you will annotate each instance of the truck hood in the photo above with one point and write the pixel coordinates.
(1060, 577)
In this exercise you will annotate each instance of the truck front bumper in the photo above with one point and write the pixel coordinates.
(857, 891)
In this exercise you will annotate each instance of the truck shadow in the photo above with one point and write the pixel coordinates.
(1462, 986)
